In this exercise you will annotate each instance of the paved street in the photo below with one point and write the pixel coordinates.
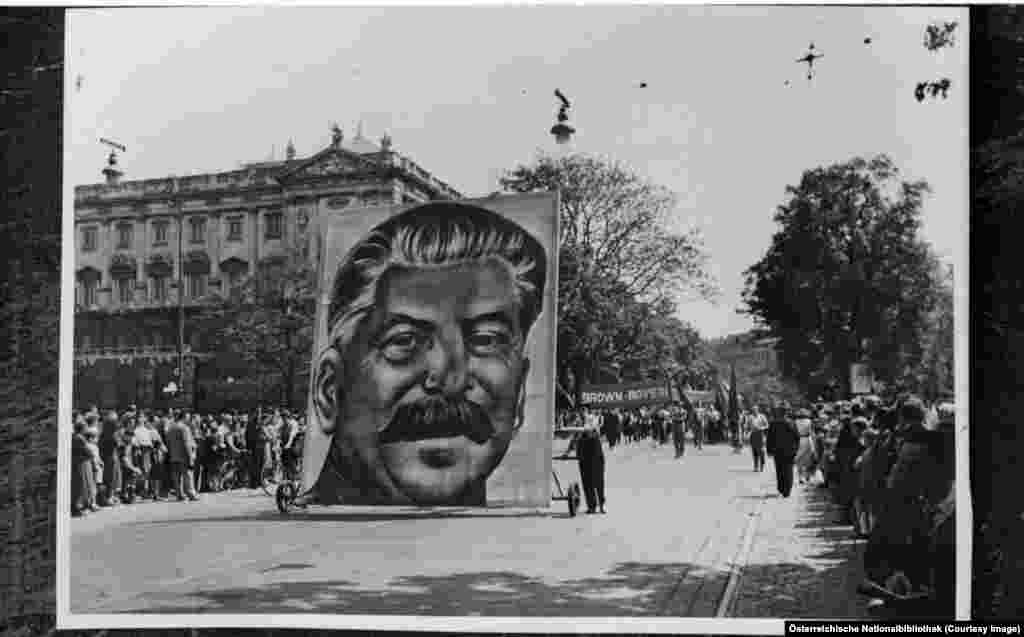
(666, 546)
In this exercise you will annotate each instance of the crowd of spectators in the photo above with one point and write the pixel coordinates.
(890, 467)
(138, 454)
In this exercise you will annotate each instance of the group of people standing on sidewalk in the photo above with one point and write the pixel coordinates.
(890, 468)
(118, 458)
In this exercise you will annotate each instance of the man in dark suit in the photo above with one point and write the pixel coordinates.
(591, 459)
(181, 449)
(255, 440)
(783, 441)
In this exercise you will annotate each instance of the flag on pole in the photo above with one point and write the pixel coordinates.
(734, 405)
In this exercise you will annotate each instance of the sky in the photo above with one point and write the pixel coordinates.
(467, 92)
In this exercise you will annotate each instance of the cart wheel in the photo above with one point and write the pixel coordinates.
(285, 497)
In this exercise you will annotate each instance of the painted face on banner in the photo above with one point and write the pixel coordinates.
(433, 384)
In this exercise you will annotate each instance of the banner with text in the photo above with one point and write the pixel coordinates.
(626, 394)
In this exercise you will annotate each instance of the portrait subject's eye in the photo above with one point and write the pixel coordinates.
(403, 345)
(488, 338)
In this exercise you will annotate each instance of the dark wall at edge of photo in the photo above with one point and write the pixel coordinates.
(30, 144)
(997, 293)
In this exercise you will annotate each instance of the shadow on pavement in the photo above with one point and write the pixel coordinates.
(823, 584)
(318, 514)
(628, 589)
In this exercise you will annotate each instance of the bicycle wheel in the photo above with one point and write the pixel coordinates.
(285, 496)
(268, 480)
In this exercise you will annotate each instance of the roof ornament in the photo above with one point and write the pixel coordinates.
(385, 143)
(111, 172)
(289, 151)
(336, 135)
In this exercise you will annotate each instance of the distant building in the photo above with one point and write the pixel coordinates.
(757, 362)
(134, 239)
(747, 349)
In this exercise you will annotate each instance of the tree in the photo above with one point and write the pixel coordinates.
(622, 269)
(935, 376)
(267, 322)
(846, 278)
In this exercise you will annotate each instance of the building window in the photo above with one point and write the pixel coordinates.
(89, 239)
(159, 289)
(124, 236)
(235, 280)
(160, 232)
(275, 226)
(90, 288)
(196, 286)
(235, 229)
(198, 225)
(124, 290)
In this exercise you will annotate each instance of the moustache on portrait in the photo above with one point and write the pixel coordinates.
(438, 417)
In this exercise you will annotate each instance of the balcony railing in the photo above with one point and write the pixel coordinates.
(176, 185)
(165, 352)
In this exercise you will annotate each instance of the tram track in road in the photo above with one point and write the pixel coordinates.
(732, 586)
(685, 600)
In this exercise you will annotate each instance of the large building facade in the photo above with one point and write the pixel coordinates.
(135, 240)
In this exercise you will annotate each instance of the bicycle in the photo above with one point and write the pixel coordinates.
(288, 490)
(234, 475)
(268, 479)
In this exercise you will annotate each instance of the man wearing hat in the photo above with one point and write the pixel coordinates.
(782, 442)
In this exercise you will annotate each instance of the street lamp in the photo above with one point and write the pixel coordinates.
(562, 130)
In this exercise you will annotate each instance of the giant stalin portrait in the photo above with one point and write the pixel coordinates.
(421, 381)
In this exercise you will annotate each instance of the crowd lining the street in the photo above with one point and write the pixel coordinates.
(122, 458)
(889, 466)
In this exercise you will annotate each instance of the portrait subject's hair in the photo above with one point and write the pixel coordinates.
(434, 235)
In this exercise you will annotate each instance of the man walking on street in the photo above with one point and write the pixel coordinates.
(697, 419)
(783, 441)
(679, 431)
(757, 443)
(758, 426)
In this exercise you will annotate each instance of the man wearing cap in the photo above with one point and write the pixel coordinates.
(782, 442)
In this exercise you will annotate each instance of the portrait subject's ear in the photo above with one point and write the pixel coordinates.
(521, 402)
(327, 395)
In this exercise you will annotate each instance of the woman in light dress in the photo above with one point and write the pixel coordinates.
(806, 458)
